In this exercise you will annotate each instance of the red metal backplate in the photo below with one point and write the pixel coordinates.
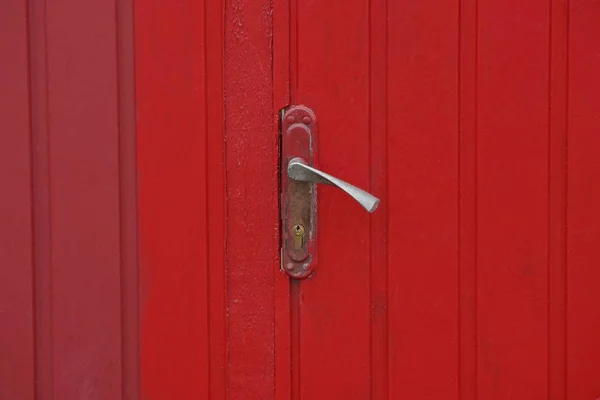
(298, 199)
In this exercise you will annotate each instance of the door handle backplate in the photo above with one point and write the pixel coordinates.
(298, 199)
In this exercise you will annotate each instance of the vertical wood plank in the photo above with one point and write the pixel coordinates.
(252, 198)
(331, 75)
(583, 200)
(83, 128)
(423, 198)
(173, 211)
(281, 99)
(128, 202)
(216, 197)
(378, 119)
(512, 199)
(44, 346)
(16, 238)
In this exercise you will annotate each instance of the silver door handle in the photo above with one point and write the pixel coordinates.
(298, 170)
(299, 208)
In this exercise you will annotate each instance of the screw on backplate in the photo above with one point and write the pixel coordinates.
(289, 266)
(305, 266)
(290, 119)
(306, 120)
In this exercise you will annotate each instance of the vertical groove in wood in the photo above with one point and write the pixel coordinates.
(127, 202)
(216, 199)
(467, 189)
(557, 176)
(41, 201)
(378, 114)
(282, 20)
(294, 56)
(281, 17)
(295, 329)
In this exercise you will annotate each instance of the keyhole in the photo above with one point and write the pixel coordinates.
(299, 232)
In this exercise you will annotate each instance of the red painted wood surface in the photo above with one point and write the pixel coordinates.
(333, 313)
(252, 199)
(181, 199)
(582, 235)
(512, 200)
(17, 356)
(423, 182)
(139, 244)
(476, 121)
(68, 231)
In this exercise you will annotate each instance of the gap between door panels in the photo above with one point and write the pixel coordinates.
(281, 100)
(282, 282)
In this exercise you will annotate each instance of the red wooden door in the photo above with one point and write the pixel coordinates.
(139, 215)
(477, 125)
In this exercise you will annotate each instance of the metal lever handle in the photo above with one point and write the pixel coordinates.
(298, 170)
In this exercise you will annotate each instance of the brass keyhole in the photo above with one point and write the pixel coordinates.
(299, 232)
